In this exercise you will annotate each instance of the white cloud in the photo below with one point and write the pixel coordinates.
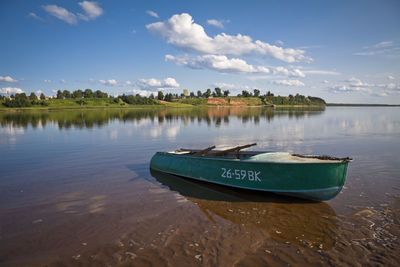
(291, 73)
(370, 53)
(92, 10)
(133, 31)
(145, 93)
(288, 82)
(7, 79)
(47, 81)
(386, 48)
(321, 72)
(155, 84)
(230, 86)
(279, 42)
(11, 90)
(347, 89)
(61, 13)
(182, 32)
(325, 81)
(111, 82)
(39, 92)
(390, 77)
(382, 44)
(217, 63)
(152, 13)
(356, 85)
(34, 16)
(217, 23)
(63, 81)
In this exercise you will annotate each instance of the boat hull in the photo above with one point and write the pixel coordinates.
(317, 181)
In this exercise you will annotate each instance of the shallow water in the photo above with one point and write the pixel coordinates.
(75, 188)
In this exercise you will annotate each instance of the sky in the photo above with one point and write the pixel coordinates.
(342, 51)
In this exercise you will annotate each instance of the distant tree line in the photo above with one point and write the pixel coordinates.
(81, 97)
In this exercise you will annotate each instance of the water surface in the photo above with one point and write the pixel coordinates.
(75, 187)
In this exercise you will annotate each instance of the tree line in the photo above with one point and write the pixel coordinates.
(82, 96)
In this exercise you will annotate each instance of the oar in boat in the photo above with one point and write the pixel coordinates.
(235, 149)
(204, 151)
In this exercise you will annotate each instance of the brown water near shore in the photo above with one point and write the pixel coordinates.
(89, 198)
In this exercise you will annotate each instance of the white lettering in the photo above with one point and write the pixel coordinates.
(251, 175)
(223, 172)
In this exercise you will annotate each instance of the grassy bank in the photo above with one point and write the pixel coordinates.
(109, 103)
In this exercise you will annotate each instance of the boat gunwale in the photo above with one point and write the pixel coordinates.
(204, 157)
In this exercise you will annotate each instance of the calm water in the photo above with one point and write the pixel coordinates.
(75, 188)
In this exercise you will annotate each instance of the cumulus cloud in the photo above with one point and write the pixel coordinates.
(145, 93)
(7, 79)
(390, 77)
(217, 23)
(11, 90)
(38, 92)
(155, 84)
(61, 13)
(63, 81)
(291, 73)
(230, 86)
(182, 32)
(152, 13)
(47, 81)
(288, 82)
(92, 10)
(217, 63)
(111, 82)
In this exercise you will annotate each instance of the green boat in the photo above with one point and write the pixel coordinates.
(305, 176)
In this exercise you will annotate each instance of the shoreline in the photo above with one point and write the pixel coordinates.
(7, 109)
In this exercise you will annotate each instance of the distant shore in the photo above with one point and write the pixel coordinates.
(361, 105)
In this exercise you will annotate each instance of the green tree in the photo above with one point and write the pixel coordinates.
(256, 92)
(77, 93)
(59, 94)
(160, 95)
(199, 94)
(42, 96)
(218, 92)
(32, 97)
(226, 93)
(207, 94)
(100, 94)
(168, 97)
(66, 94)
(191, 94)
(151, 96)
(245, 93)
(88, 93)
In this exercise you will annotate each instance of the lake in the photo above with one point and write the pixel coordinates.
(75, 188)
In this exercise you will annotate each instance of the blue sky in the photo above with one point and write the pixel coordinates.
(342, 51)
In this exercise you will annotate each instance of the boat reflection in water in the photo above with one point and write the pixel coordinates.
(284, 219)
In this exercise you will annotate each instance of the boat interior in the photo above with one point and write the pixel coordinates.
(263, 156)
